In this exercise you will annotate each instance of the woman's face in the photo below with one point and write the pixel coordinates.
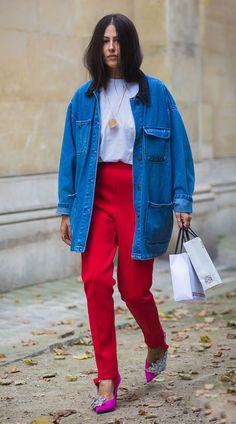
(111, 50)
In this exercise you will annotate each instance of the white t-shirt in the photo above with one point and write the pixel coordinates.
(117, 143)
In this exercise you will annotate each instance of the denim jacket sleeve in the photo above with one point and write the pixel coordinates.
(182, 161)
(66, 175)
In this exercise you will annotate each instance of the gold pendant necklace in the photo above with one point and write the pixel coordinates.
(112, 122)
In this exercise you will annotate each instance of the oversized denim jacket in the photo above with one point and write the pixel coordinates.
(163, 171)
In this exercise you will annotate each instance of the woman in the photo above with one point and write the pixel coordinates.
(125, 165)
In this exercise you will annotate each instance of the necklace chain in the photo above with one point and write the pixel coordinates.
(112, 122)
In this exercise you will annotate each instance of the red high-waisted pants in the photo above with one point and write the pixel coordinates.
(112, 225)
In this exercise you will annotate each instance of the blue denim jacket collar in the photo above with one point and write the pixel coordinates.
(143, 93)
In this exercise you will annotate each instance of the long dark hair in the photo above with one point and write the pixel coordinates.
(130, 51)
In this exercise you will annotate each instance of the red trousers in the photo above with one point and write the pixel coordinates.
(112, 225)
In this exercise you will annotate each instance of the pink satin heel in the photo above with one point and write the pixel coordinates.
(155, 368)
(101, 404)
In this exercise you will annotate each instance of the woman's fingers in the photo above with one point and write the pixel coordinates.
(183, 218)
(65, 230)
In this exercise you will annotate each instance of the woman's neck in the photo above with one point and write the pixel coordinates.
(115, 73)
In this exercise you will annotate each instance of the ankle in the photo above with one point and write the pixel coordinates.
(155, 353)
(106, 388)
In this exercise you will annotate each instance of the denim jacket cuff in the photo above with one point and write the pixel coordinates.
(63, 209)
(183, 203)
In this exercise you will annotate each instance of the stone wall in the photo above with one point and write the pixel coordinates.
(189, 44)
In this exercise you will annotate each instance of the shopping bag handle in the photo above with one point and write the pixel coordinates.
(180, 240)
(184, 235)
(187, 231)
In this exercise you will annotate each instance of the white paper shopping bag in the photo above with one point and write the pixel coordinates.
(202, 263)
(185, 282)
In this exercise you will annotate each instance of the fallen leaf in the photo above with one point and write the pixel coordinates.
(198, 326)
(29, 342)
(14, 369)
(230, 294)
(42, 332)
(231, 390)
(205, 338)
(41, 420)
(71, 306)
(209, 320)
(91, 371)
(142, 412)
(7, 397)
(208, 386)
(49, 375)
(150, 415)
(228, 377)
(153, 404)
(69, 377)
(2, 355)
(59, 357)
(193, 372)
(199, 392)
(59, 351)
(231, 324)
(69, 333)
(203, 313)
(67, 322)
(87, 341)
(84, 355)
(172, 399)
(218, 354)
(30, 361)
(231, 336)
(166, 394)
(166, 315)
(208, 412)
(196, 409)
(59, 414)
(180, 336)
(19, 382)
(224, 347)
(121, 310)
(171, 373)
(5, 382)
(185, 376)
(181, 312)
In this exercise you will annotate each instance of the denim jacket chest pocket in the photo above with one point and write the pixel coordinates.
(82, 135)
(156, 141)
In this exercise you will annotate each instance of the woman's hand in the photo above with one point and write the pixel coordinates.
(65, 229)
(183, 218)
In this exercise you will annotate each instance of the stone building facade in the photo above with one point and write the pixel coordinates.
(189, 44)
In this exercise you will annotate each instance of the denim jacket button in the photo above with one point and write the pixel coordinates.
(139, 157)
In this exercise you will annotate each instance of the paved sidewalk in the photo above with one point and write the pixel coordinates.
(47, 363)
(37, 317)
(199, 385)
